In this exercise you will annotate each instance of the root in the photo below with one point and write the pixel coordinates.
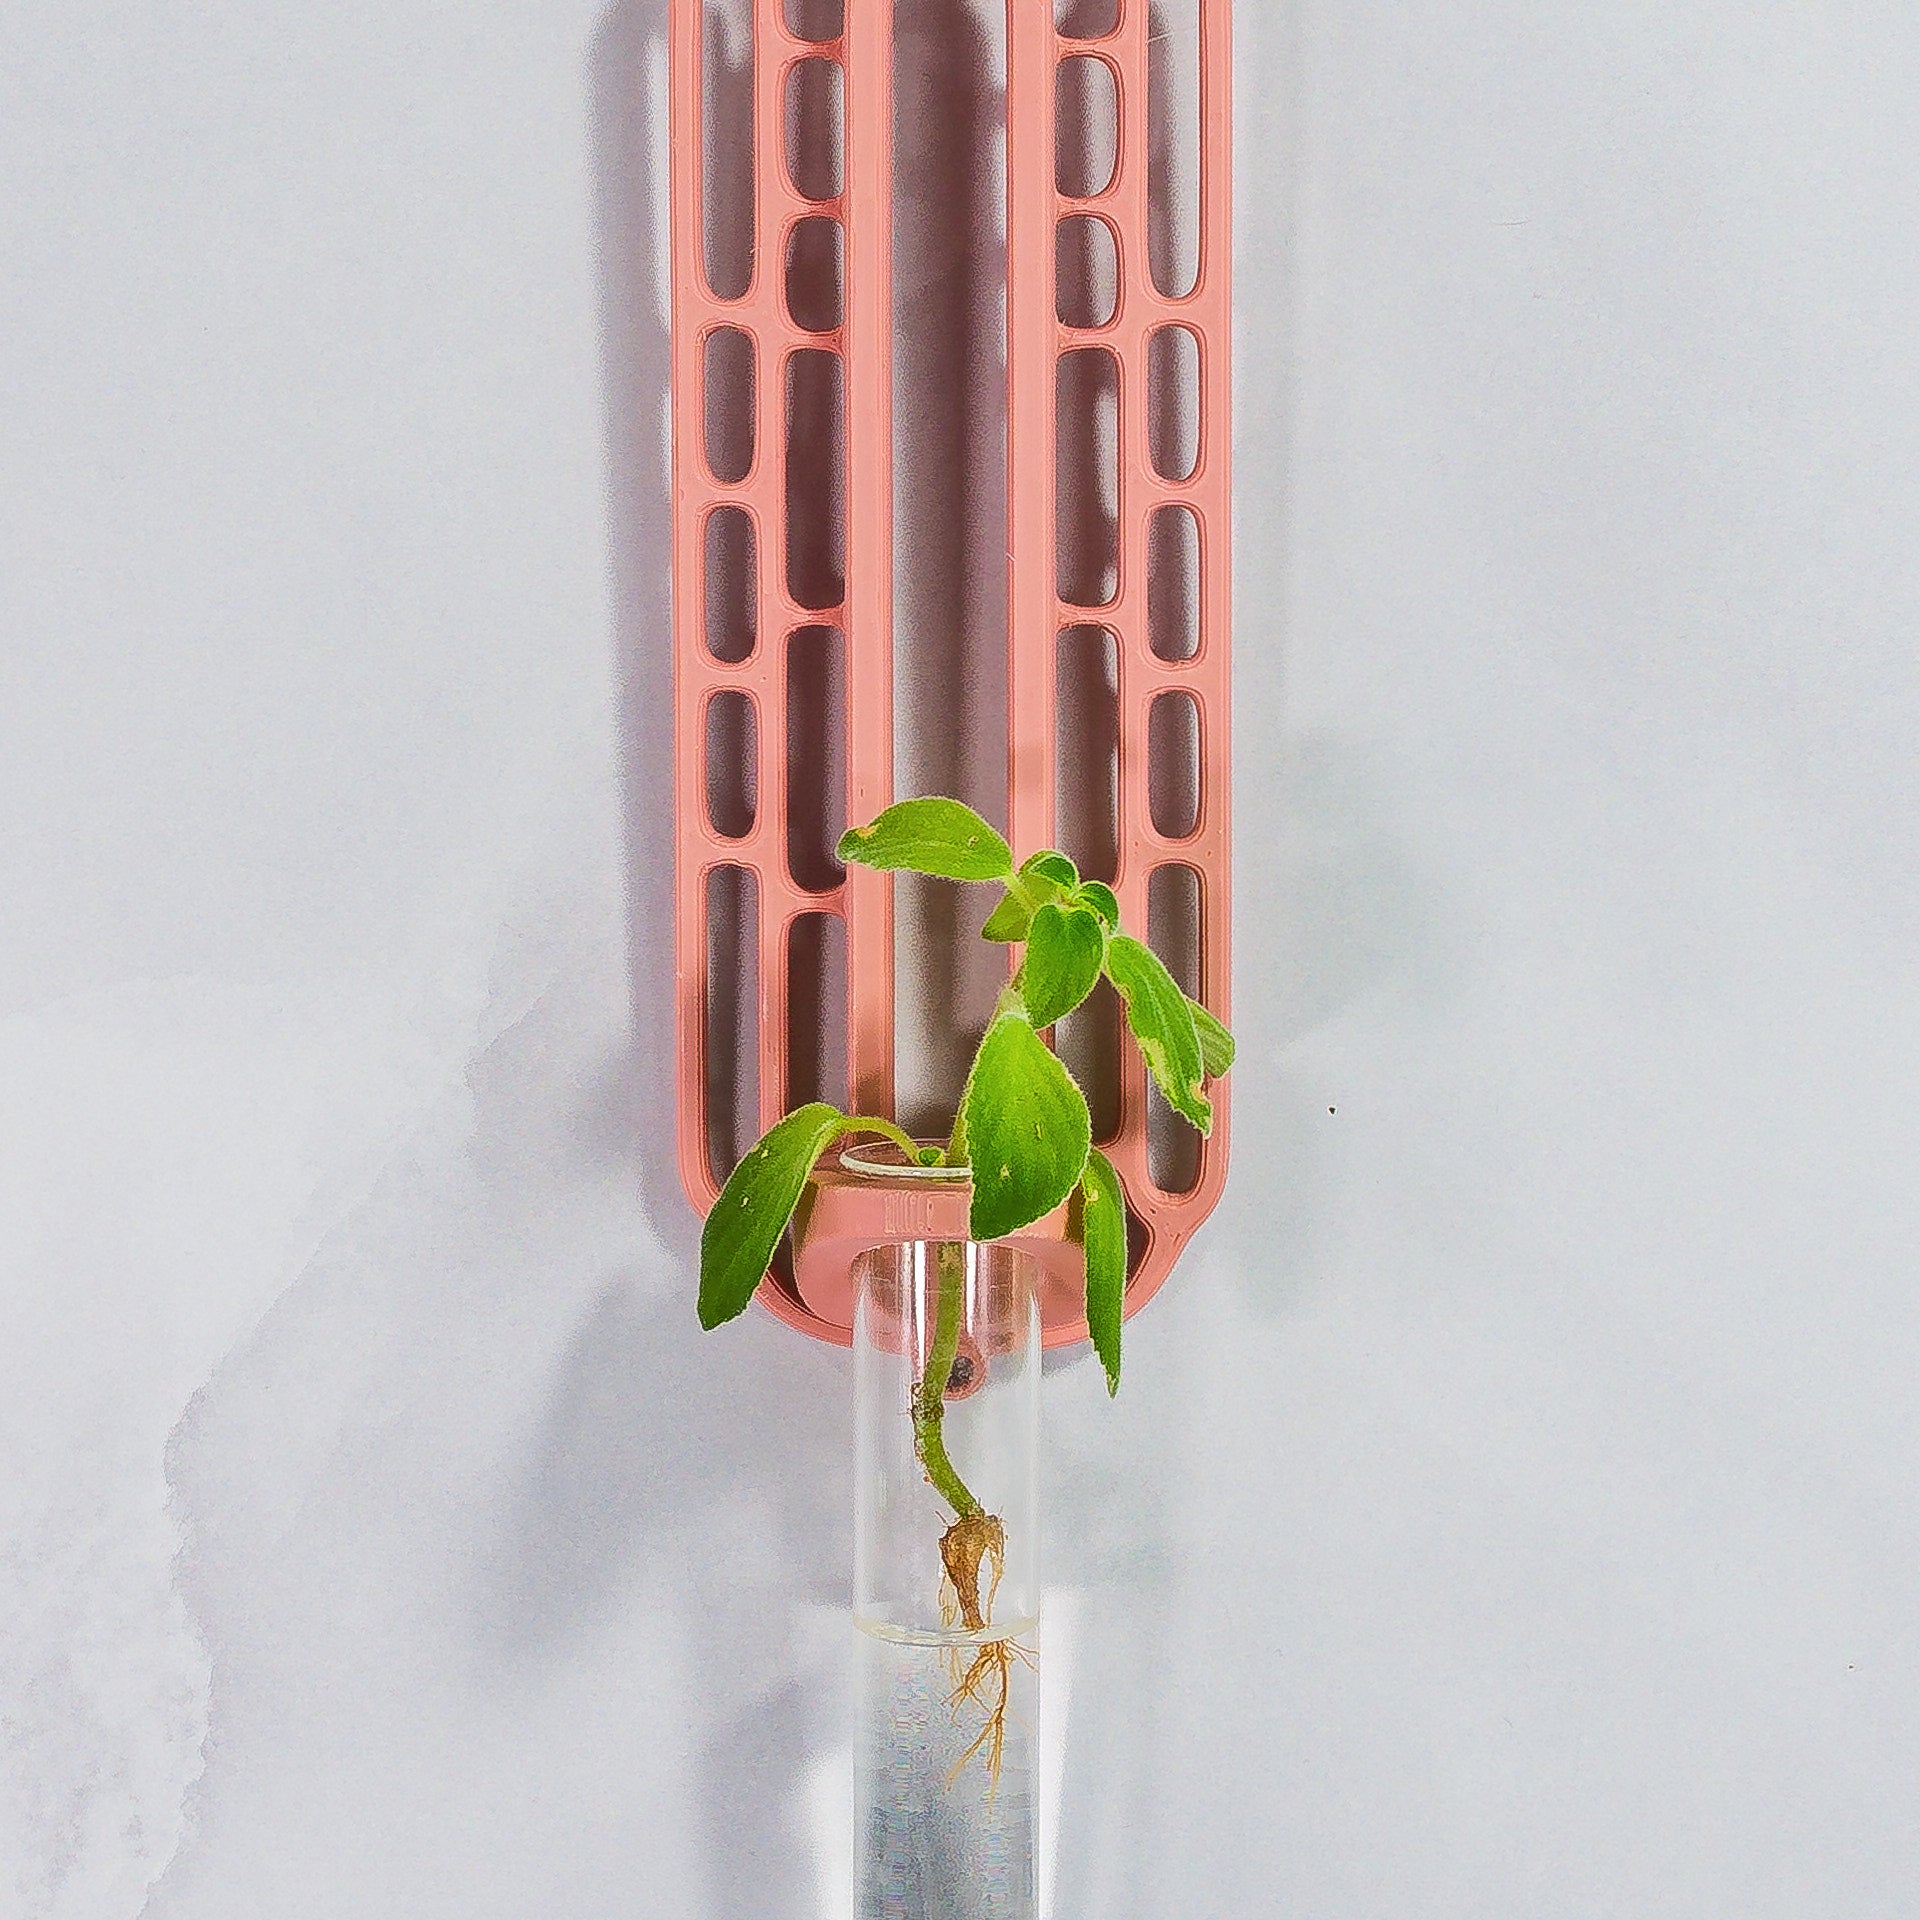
(974, 1542)
(987, 1683)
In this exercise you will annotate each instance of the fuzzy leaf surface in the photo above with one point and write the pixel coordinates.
(1216, 1043)
(1100, 897)
(935, 836)
(1065, 949)
(1103, 1234)
(744, 1228)
(1052, 866)
(1008, 921)
(1027, 1129)
(1027, 892)
(1162, 1023)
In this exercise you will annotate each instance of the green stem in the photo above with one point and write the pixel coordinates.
(930, 1397)
(949, 1304)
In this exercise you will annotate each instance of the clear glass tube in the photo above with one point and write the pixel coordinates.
(947, 1580)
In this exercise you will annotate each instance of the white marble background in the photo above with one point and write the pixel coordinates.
(1511, 1508)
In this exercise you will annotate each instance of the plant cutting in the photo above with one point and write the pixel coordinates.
(1023, 1132)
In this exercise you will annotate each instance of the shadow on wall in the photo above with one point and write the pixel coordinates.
(652, 1449)
(400, 1537)
(653, 1443)
(627, 68)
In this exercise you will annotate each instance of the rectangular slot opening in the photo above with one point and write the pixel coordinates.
(816, 20)
(1085, 19)
(816, 756)
(732, 764)
(1086, 126)
(1086, 752)
(816, 274)
(1173, 402)
(727, 383)
(732, 585)
(816, 478)
(1173, 583)
(817, 1011)
(1086, 271)
(1087, 476)
(1173, 765)
(816, 128)
(1173, 932)
(1173, 146)
(1089, 1041)
(731, 1025)
(726, 146)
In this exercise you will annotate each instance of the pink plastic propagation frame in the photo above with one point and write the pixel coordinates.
(816, 1301)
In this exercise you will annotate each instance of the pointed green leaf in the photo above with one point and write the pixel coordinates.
(744, 1228)
(1103, 1234)
(1099, 896)
(1065, 947)
(1008, 921)
(1162, 1024)
(1026, 1126)
(1052, 866)
(1216, 1043)
(934, 836)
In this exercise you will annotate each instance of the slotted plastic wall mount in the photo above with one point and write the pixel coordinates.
(737, 514)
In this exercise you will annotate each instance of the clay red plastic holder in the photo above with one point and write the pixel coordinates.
(844, 1215)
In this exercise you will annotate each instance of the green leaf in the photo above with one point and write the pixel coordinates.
(1099, 896)
(1008, 921)
(1162, 1023)
(934, 836)
(1046, 877)
(1216, 1043)
(1052, 866)
(1065, 947)
(1026, 1126)
(737, 1243)
(1103, 1233)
